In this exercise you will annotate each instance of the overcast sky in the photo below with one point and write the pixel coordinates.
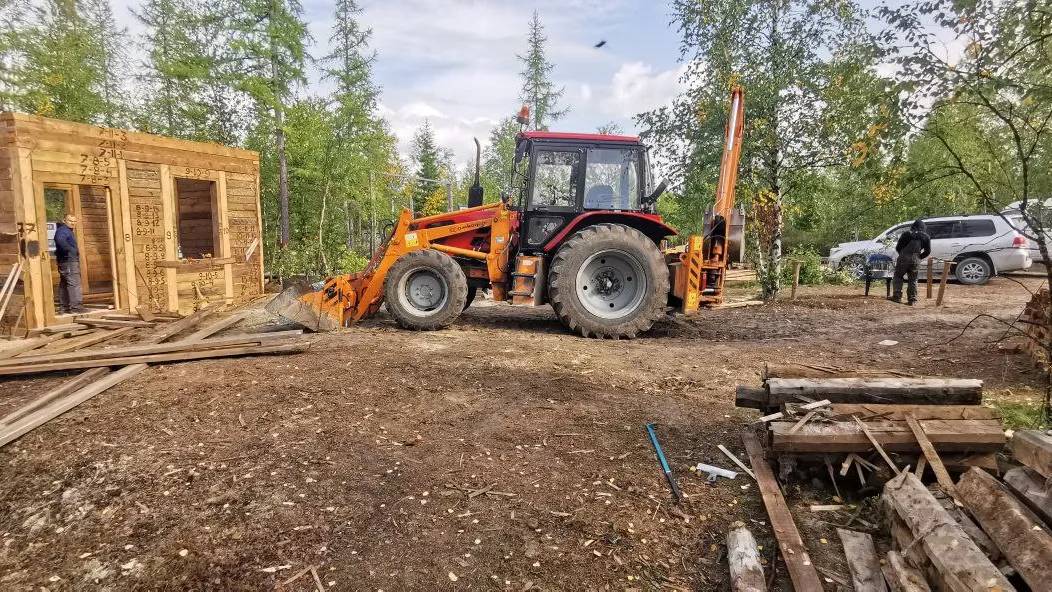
(454, 61)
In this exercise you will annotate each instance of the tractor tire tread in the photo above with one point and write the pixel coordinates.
(455, 280)
(653, 307)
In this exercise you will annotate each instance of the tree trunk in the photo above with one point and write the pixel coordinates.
(279, 145)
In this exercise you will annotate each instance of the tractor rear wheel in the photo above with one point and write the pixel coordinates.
(608, 280)
(425, 290)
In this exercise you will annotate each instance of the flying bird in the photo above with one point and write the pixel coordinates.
(600, 44)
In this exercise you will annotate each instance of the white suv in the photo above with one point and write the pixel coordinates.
(982, 245)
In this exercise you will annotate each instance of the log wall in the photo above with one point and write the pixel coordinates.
(139, 198)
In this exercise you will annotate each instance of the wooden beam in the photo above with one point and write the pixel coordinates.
(226, 323)
(929, 453)
(973, 436)
(862, 561)
(1033, 490)
(124, 245)
(751, 398)
(932, 391)
(801, 571)
(954, 555)
(1033, 449)
(168, 357)
(743, 559)
(170, 230)
(898, 412)
(1023, 540)
(816, 371)
(901, 577)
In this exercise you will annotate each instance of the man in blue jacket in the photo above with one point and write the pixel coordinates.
(68, 256)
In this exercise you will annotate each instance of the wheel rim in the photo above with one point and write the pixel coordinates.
(973, 271)
(611, 284)
(855, 268)
(423, 291)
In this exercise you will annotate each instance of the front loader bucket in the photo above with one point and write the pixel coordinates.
(304, 306)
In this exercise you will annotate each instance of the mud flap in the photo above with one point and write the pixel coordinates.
(306, 307)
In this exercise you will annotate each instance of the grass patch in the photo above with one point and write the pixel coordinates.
(1020, 413)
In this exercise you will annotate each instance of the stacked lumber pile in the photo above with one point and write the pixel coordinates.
(1038, 327)
(819, 411)
(125, 360)
(972, 533)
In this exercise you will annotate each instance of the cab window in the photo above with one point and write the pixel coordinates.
(611, 180)
(555, 179)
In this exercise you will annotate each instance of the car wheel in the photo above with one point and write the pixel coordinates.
(973, 271)
(854, 265)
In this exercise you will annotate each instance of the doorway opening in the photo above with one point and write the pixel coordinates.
(90, 205)
(198, 233)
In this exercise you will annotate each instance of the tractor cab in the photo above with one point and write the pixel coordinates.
(560, 178)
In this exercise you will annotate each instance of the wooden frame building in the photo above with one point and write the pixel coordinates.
(162, 222)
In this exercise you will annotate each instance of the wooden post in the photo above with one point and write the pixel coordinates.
(946, 266)
(796, 278)
(1017, 532)
(931, 274)
(744, 560)
(862, 561)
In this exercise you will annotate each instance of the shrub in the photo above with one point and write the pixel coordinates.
(812, 270)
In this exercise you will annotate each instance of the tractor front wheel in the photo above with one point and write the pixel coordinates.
(425, 290)
(608, 280)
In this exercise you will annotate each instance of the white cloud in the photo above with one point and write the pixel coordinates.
(636, 88)
(586, 92)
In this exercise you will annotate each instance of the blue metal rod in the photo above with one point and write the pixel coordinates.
(664, 463)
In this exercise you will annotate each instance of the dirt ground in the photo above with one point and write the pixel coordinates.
(355, 457)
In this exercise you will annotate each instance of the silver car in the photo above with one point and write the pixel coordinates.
(982, 246)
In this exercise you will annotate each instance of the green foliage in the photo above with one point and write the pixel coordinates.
(66, 61)
(812, 271)
(538, 90)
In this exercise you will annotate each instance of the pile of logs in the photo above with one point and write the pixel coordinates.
(973, 533)
(69, 349)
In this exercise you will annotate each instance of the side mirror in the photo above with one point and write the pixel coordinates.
(650, 200)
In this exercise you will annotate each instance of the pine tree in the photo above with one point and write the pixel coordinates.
(268, 45)
(426, 157)
(538, 90)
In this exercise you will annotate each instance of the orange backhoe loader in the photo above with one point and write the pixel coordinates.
(578, 231)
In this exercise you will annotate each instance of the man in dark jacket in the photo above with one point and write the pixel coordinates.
(913, 245)
(68, 257)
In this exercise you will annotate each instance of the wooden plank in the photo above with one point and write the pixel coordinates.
(1033, 449)
(168, 357)
(974, 436)
(954, 555)
(113, 324)
(1033, 490)
(917, 391)
(862, 561)
(898, 412)
(145, 313)
(196, 265)
(190, 344)
(35, 230)
(230, 321)
(70, 386)
(736, 461)
(880, 449)
(901, 577)
(743, 560)
(223, 214)
(803, 421)
(95, 339)
(929, 453)
(801, 571)
(1018, 533)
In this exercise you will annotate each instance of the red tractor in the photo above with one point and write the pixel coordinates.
(578, 230)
